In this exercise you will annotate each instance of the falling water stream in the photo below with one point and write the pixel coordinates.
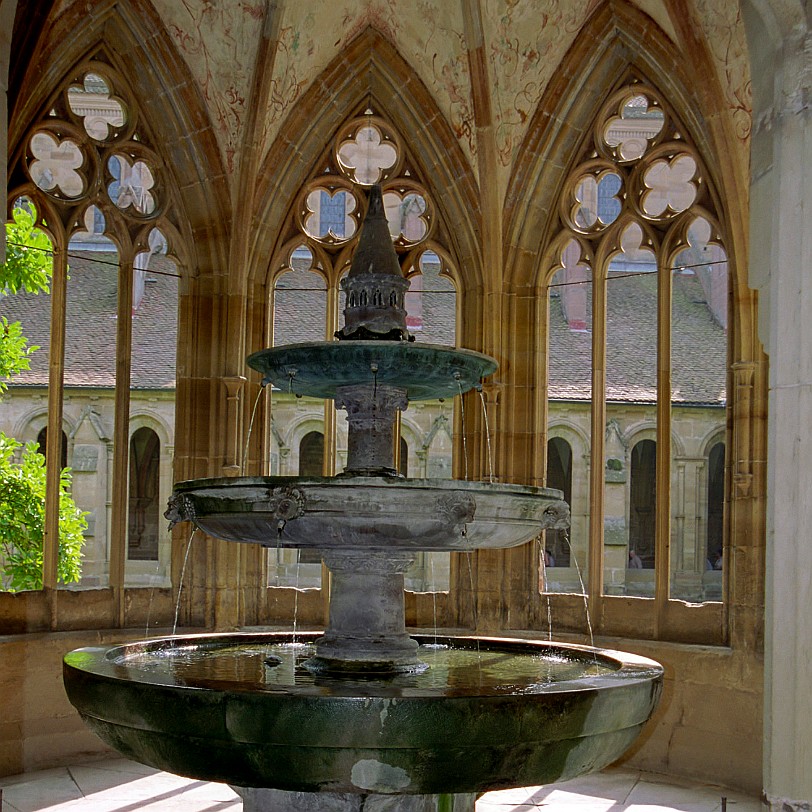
(545, 591)
(574, 560)
(296, 596)
(487, 432)
(433, 595)
(464, 441)
(250, 429)
(180, 584)
(155, 577)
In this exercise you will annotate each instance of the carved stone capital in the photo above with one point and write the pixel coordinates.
(371, 401)
(373, 562)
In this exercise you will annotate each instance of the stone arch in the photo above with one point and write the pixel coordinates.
(301, 426)
(151, 420)
(369, 71)
(33, 420)
(572, 433)
(647, 430)
(714, 436)
(617, 43)
(411, 431)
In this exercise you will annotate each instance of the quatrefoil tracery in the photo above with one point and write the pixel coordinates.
(85, 157)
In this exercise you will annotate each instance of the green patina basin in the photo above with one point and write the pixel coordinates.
(488, 713)
(425, 371)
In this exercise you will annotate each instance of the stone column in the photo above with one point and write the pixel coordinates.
(367, 627)
(371, 411)
(780, 263)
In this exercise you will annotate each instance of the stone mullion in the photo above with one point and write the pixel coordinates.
(121, 434)
(53, 451)
(598, 436)
(493, 329)
(662, 537)
(330, 418)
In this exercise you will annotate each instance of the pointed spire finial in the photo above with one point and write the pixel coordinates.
(375, 286)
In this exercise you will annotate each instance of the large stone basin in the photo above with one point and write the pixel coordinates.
(498, 713)
(368, 513)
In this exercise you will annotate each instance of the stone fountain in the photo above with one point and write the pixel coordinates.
(364, 715)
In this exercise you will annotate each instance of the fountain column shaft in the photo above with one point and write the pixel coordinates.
(371, 411)
(367, 628)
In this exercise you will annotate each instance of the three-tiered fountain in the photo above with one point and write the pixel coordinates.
(363, 716)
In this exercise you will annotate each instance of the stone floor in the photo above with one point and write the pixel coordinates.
(118, 785)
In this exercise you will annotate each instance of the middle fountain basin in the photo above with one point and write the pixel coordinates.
(502, 714)
(358, 513)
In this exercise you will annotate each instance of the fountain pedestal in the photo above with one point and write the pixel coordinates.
(274, 800)
(367, 627)
(371, 410)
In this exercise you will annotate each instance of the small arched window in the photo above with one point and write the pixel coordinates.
(311, 454)
(404, 457)
(716, 503)
(143, 515)
(642, 502)
(559, 476)
(42, 443)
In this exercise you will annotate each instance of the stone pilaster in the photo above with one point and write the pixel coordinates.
(781, 256)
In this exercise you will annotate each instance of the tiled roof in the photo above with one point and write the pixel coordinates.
(90, 333)
(699, 350)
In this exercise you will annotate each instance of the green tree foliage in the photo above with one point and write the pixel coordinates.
(27, 267)
(22, 519)
(22, 468)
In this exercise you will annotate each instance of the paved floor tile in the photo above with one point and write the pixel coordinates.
(118, 785)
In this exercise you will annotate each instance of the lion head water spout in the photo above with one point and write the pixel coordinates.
(361, 713)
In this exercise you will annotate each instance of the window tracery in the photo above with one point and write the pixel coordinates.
(638, 269)
(89, 169)
(308, 299)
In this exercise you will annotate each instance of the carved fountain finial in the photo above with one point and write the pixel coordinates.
(375, 287)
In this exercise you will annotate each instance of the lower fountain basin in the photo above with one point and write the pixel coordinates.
(241, 709)
(368, 512)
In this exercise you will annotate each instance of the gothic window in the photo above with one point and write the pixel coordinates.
(642, 504)
(559, 476)
(91, 174)
(715, 521)
(403, 466)
(308, 301)
(42, 447)
(637, 282)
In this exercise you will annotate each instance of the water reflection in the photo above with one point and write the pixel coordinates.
(280, 667)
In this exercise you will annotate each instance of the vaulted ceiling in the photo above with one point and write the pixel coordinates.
(486, 63)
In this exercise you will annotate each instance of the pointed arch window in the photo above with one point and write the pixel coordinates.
(88, 167)
(143, 516)
(308, 301)
(637, 349)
